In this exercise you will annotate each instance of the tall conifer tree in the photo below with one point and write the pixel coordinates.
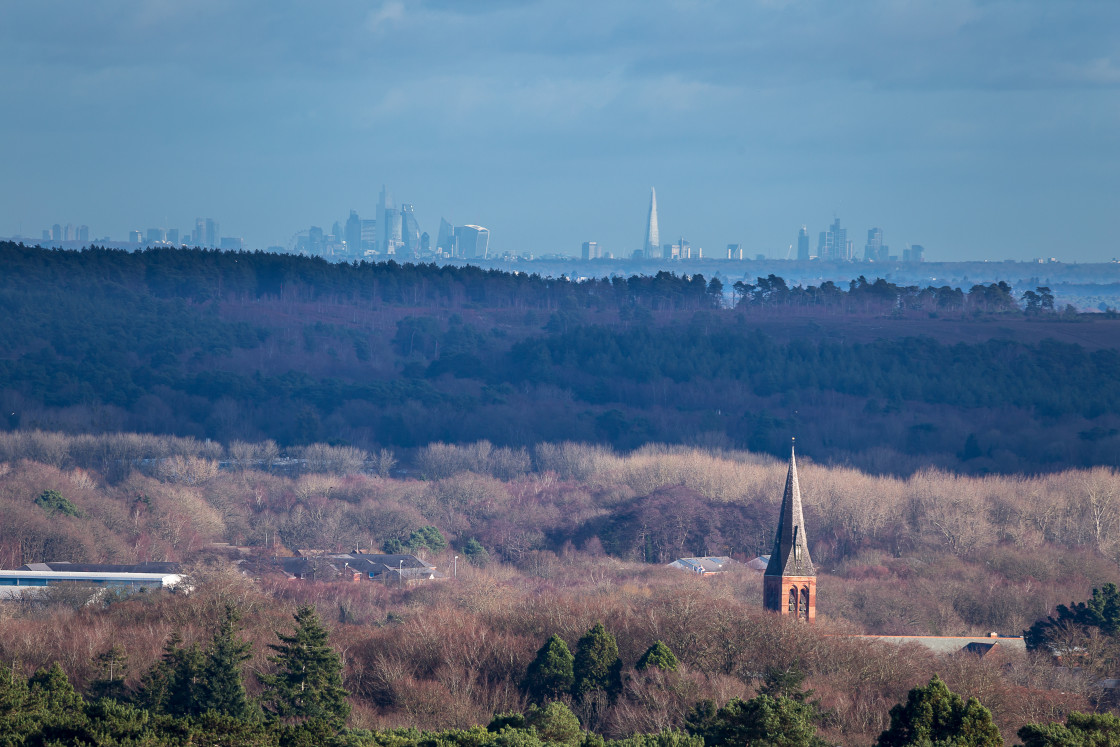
(596, 665)
(220, 685)
(550, 673)
(307, 685)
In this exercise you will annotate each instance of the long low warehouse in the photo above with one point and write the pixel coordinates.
(14, 584)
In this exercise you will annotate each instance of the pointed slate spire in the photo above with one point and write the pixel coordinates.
(790, 556)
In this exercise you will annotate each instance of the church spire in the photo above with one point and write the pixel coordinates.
(790, 556)
(790, 572)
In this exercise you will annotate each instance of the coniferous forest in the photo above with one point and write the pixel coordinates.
(252, 346)
(549, 446)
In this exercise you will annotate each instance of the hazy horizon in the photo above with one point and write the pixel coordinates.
(981, 130)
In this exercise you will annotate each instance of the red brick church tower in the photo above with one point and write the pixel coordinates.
(789, 586)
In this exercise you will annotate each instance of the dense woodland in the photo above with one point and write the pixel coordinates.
(565, 440)
(553, 540)
(248, 346)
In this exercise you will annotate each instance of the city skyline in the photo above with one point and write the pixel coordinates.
(397, 234)
(981, 130)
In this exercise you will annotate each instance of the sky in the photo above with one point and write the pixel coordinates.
(981, 129)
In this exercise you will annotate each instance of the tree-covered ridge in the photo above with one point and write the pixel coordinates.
(603, 365)
(249, 346)
(205, 274)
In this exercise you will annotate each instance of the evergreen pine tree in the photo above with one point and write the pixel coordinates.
(596, 665)
(550, 673)
(660, 656)
(171, 686)
(555, 724)
(112, 666)
(1080, 730)
(935, 715)
(52, 692)
(308, 682)
(220, 688)
(763, 721)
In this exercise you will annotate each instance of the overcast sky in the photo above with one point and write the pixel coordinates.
(977, 128)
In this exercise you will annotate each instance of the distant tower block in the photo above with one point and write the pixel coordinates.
(653, 237)
(789, 586)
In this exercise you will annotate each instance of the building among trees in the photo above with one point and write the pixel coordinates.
(789, 585)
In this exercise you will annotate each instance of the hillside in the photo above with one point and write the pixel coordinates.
(240, 346)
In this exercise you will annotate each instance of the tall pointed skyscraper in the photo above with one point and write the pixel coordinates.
(789, 585)
(652, 247)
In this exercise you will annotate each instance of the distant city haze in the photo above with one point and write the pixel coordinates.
(974, 130)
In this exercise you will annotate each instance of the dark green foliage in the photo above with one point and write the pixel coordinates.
(1079, 730)
(668, 738)
(426, 538)
(554, 723)
(660, 656)
(596, 665)
(476, 554)
(171, 687)
(758, 722)
(221, 689)
(393, 546)
(53, 502)
(512, 720)
(785, 683)
(1101, 612)
(933, 715)
(189, 681)
(702, 718)
(133, 330)
(51, 691)
(550, 674)
(112, 667)
(307, 685)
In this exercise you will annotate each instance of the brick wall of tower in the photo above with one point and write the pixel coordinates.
(776, 596)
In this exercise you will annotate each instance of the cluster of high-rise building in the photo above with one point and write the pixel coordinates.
(205, 234)
(833, 245)
(394, 231)
(59, 233)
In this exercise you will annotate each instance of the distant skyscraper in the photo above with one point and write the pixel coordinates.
(155, 236)
(445, 240)
(391, 234)
(410, 231)
(56, 232)
(734, 251)
(134, 237)
(653, 237)
(590, 250)
(472, 241)
(874, 250)
(384, 229)
(212, 236)
(198, 235)
(83, 233)
(172, 235)
(425, 243)
(315, 241)
(353, 233)
(833, 243)
(916, 253)
(369, 235)
(803, 244)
